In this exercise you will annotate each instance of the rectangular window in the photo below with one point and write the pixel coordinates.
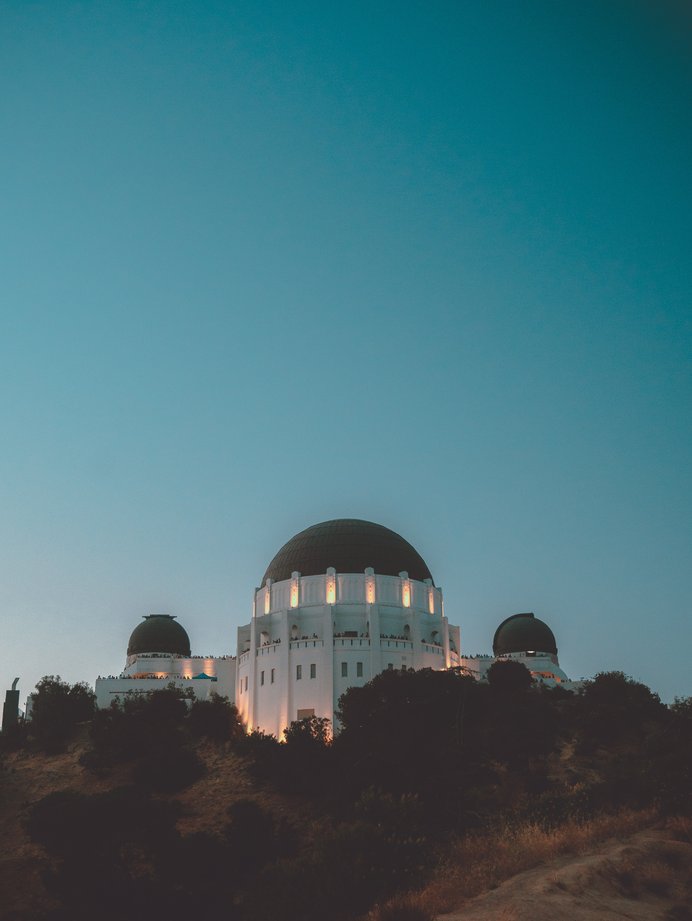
(299, 672)
(261, 677)
(344, 669)
(359, 669)
(271, 676)
(305, 714)
(246, 684)
(313, 670)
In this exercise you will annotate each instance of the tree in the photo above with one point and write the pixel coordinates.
(149, 730)
(412, 732)
(118, 854)
(310, 732)
(57, 707)
(509, 677)
(215, 719)
(615, 707)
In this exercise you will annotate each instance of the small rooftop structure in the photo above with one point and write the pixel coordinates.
(159, 633)
(523, 633)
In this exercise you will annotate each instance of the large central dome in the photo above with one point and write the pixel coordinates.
(349, 545)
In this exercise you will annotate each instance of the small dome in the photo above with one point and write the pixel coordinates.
(523, 633)
(349, 545)
(159, 633)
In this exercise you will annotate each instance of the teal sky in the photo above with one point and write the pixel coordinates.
(427, 264)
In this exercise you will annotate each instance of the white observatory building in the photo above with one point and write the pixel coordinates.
(525, 639)
(159, 656)
(341, 602)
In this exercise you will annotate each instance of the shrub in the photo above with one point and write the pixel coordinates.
(118, 855)
(216, 719)
(148, 730)
(254, 838)
(70, 823)
(57, 708)
(400, 815)
(614, 708)
(345, 871)
(169, 767)
(312, 732)
(509, 677)
(304, 759)
(137, 726)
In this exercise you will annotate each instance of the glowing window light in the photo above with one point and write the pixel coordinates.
(267, 600)
(294, 594)
(331, 591)
(370, 591)
(406, 594)
(431, 601)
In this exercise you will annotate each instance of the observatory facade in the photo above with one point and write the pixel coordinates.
(526, 639)
(341, 602)
(159, 656)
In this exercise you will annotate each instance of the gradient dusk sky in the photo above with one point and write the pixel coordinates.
(424, 263)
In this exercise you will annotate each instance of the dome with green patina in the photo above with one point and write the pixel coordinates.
(523, 633)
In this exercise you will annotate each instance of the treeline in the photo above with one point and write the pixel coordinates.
(421, 758)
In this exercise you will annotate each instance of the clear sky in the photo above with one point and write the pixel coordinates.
(424, 263)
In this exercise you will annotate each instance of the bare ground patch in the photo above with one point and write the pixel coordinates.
(644, 877)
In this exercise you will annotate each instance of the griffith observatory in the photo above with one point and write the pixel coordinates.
(339, 603)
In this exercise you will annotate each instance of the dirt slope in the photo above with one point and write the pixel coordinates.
(646, 877)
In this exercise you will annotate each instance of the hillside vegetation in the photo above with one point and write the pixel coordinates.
(436, 789)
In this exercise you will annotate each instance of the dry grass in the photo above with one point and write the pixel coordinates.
(657, 865)
(635, 877)
(408, 907)
(479, 863)
(662, 869)
(680, 912)
(680, 827)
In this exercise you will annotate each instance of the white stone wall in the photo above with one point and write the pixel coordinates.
(143, 674)
(322, 634)
(110, 689)
(544, 667)
(476, 666)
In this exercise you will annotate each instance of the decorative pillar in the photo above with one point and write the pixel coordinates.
(284, 684)
(252, 674)
(445, 640)
(327, 663)
(372, 613)
(430, 600)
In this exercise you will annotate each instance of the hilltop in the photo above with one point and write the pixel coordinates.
(438, 791)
